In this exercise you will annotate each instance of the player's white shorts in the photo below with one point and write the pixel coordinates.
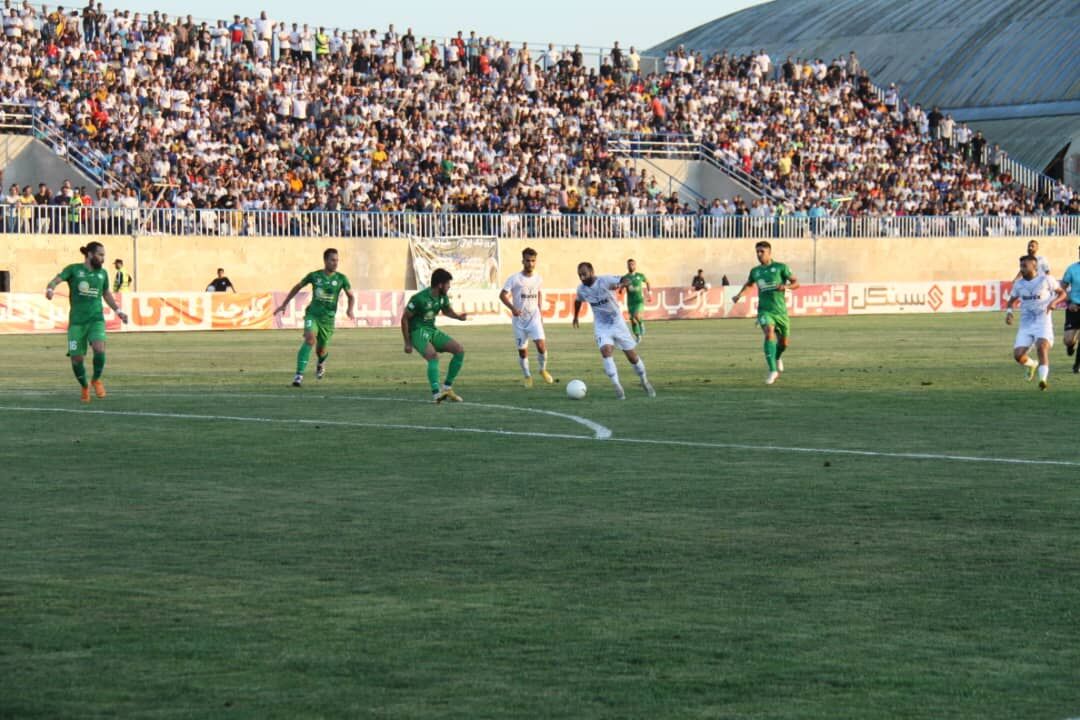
(1030, 332)
(526, 329)
(617, 335)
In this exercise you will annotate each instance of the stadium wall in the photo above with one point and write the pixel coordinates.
(162, 263)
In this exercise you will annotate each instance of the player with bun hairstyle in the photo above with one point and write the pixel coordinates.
(88, 284)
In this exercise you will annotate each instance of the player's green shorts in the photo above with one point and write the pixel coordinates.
(635, 307)
(81, 335)
(421, 336)
(323, 327)
(780, 321)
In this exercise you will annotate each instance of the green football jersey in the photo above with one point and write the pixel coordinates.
(85, 288)
(424, 307)
(325, 290)
(768, 279)
(635, 291)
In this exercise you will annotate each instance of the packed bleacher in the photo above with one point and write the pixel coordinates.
(253, 114)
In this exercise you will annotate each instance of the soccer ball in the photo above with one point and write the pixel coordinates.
(575, 389)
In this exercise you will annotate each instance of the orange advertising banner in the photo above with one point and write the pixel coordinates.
(30, 313)
(157, 312)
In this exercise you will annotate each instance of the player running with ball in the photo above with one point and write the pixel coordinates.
(772, 279)
(608, 324)
(1036, 295)
(418, 329)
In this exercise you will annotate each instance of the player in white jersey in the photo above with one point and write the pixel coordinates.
(608, 324)
(1042, 267)
(521, 293)
(1036, 295)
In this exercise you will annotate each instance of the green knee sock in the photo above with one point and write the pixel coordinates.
(79, 368)
(433, 374)
(99, 365)
(302, 358)
(322, 358)
(780, 350)
(770, 354)
(455, 367)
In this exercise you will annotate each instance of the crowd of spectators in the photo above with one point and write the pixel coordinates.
(256, 114)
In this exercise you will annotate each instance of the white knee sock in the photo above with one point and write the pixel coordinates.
(610, 370)
(639, 367)
(1030, 362)
(524, 363)
(1044, 372)
(542, 358)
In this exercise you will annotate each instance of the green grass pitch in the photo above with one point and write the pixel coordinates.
(892, 530)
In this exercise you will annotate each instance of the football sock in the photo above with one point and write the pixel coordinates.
(780, 350)
(610, 370)
(302, 358)
(455, 367)
(1044, 372)
(524, 363)
(641, 327)
(542, 358)
(639, 368)
(322, 358)
(770, 355)
(79, 368)
(99, 365)
(1030, 362)
(433, 374)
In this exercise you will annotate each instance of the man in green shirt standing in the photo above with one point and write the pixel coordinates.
(326, 286)
(635, 297)
(419, 331)
(88, 283)
(771, 279)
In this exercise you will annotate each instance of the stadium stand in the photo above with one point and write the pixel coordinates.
(251, 127)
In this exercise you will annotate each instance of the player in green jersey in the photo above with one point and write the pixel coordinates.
(418, 329)
(88, 284)
(635, 297)
(326, 285)
(771, 279)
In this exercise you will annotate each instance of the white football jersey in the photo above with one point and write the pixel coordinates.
(524, 293)
(1035, 296)
(1041, 266)
(602, 300)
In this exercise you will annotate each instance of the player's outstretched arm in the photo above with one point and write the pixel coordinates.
(107, 295)
(746, 286)
(1009, 305)
(350, 309)
(1059, 297)
(288, 298)
(454, 314)
(406, 316)
(51, 287)
(504, 297)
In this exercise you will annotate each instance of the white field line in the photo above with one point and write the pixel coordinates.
(296, 421)
(523, 433)
(599, 431)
